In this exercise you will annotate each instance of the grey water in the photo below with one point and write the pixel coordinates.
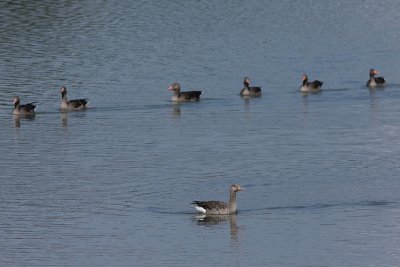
(112, 185)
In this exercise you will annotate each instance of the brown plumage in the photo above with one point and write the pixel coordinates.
(219, 207)
(183, 96)
(249, 91)
(375, 81)
(27, 109)
(74, 104)
(310, 86)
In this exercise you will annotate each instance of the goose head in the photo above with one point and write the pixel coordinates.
(63, 91)
(373, 72)
(236, 188)
(175, 87)
(246, 81)
(16, 100)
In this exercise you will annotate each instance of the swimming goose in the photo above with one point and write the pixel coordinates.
(375, 81)
(27, 109)
(183, 96)
(219, 207)
(249, 91)
(75, 104)
(310, 86)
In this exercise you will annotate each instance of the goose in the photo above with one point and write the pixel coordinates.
(75, 104)
(310, 86)
(27, 109)
(375, 81)
(219, 207)
(249, 91)
(183, 96)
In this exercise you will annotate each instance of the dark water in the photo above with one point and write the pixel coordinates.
(111, 186)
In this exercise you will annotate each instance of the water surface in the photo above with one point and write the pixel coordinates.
(111, 186)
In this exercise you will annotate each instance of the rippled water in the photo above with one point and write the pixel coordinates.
(111, 186)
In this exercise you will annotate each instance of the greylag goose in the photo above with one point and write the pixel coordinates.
(75, 104)
(183, 96)
(219, 207)
(27, 109)
(375, 81)
(310, 86)
(249, 91)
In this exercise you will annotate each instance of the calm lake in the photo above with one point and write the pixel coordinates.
(112, 185)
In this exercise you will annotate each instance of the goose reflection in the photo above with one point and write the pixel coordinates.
(210, 220)
(18, 117)
(373, 90)
(246, 100)
(176, 110)
(306, 93)
(64, 119)
(374, 98)
(305, 104)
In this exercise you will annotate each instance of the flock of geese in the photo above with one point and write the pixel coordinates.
(204, 207)
(223, 208)
(247, 91)
(29, 108)
(250, 91)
